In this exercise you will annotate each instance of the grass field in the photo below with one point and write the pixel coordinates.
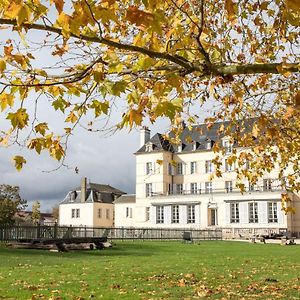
(153, 270)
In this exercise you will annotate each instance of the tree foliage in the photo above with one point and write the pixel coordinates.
(10, 203)
(156, 59)
(36, 213)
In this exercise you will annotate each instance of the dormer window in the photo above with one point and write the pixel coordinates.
(149, 147)
(194, 146)
(208, 144)
(73, 196)
(179, 149)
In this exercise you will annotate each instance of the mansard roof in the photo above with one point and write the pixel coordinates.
(101, 193)
(200, 134)
(159, 144)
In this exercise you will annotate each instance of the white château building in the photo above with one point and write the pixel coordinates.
(174, 189)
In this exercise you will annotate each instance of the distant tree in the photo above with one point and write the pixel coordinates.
(36, 213)
(10, 203)
(55, 212)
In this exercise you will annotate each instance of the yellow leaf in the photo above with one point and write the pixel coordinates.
(19, 162)
(23, 15)
(231, 9)
(13, 9)
(59, 5)
(2, 65)
(293, 5)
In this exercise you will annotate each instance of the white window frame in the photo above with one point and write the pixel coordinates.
(228, 167)
(179, 188)
(179, 168)
(191, 214)
(208, 187)
(229, 186)
(149, 168)
(208, 145)
(253, 212)
(77, 213)
(193, 167)
(208, 166)
(234, 213)
(193, 188)
(267, 184)
(159, 214)
(228, 146)
(272, 212)
(73, 213)
(148, 189)
(99, 213)
(175, 214)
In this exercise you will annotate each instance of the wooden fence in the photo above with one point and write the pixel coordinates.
(17, 233)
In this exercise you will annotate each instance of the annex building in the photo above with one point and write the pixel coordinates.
(174, 189)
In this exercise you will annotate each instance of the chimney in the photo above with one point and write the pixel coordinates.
(83, 190)
(144, 135)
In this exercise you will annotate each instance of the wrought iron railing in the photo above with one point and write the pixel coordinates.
(17, 233)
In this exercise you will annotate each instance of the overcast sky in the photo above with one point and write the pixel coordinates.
(107, 160)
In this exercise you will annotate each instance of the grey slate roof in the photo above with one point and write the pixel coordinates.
(198, 134)
(95, 192)
(125, 199)
(159, 144)
(104, 188)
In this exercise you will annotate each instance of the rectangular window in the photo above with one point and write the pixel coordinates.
(179, 169)
(272, 212)
(73, 213)
(77, 213)
(194, 188)
(208, 166)
(99, 213)
(251, 187)
(127, 212)
(208, 187)
(170, 169)
(175, 214)
(253, 212)
(228, 186)
(148, 189)
(179, 188)
(191, 214)
(228, 147)
(267, 185)
(159, 214)
(149, 169)
(193, 167)
(147, 213)
(228, 166)
(234, 213)
(107, 213)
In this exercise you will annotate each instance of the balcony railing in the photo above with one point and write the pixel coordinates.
(216, 191)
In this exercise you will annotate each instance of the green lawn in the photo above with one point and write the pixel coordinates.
(154, 270)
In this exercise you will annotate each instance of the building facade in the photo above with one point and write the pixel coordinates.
(175, 188)
(89, 205)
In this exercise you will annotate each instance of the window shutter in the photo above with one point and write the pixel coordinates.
(280, 214)
(262, 212)
(153, 168)
(183, 168)
(227, 213)
(243, 208)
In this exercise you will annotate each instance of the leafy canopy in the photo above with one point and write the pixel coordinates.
(155, 59)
